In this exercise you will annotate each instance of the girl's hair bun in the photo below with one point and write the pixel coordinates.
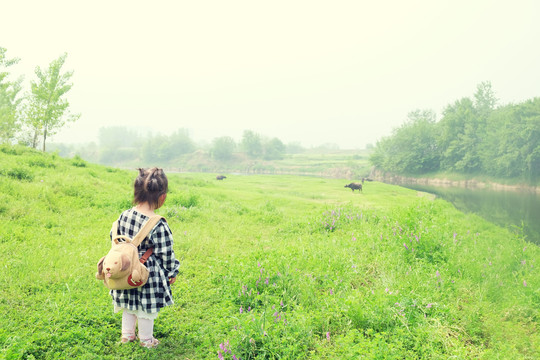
(150, 185)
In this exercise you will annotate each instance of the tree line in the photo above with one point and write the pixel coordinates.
(122, 145)
(30, 117)
(474, 136)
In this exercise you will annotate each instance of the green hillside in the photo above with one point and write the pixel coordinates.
(273, 267)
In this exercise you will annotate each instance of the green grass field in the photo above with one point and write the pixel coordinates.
(273, 267)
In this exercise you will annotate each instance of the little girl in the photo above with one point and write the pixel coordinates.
(143, 304)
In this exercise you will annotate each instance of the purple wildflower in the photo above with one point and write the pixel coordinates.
(406, 247)
(328, 336)
(241, 310)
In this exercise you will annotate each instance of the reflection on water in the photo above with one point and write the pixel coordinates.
(505, 208)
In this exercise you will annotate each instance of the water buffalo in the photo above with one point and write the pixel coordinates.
(354, 186)
(220, 177)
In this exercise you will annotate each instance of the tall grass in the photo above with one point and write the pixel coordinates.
(272, 267)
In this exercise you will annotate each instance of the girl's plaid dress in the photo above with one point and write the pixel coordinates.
(162, 264)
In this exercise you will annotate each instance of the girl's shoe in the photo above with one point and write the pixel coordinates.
(150, 343)
(127, 339)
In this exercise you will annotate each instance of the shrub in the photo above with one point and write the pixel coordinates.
(41, 161)
(18, 174)
(78, 161)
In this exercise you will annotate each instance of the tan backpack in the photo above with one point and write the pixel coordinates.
(121, 268)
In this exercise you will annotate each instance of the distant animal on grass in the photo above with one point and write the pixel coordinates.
(354, 186)
(220, 177)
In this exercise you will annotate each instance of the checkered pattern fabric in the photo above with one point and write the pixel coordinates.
(162, 264)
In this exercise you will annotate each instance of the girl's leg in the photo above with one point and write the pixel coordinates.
(146, 329)
(146, 332)
(128, 326)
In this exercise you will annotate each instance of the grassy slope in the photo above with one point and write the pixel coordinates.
(324, 273)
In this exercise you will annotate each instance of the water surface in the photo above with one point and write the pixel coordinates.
(510, 209)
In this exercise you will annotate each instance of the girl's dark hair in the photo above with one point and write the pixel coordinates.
(149, 186)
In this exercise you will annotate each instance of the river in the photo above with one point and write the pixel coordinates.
(510, 209)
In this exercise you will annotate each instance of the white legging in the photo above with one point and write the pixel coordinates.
(129, 321)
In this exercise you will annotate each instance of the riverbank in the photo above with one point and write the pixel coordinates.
(445, 182)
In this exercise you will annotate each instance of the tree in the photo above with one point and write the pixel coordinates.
(9, 100)
(274, 149)
(223, 148)
(459, 139)
(484, 99)
(412, 147)
(251, 144)
(47, 110)
(294, 148)
(166, 148)
(423, 142)
(155, 149)
(180, 143)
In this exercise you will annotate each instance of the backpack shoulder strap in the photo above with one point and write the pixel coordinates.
(146, 229)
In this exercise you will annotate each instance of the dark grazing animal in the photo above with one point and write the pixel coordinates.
(354, 186)
(220, 177)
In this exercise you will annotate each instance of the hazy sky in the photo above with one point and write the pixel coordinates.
(314, 72)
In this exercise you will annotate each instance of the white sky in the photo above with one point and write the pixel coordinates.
(314, 72)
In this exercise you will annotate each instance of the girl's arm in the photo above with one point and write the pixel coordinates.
(163, 249)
